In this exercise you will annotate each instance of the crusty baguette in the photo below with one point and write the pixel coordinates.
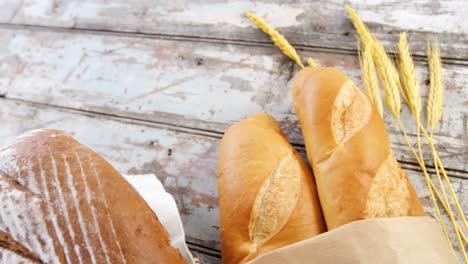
(356, 173)
(63, 203)
(267, 196)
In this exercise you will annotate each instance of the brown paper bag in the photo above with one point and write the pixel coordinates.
(382, 240)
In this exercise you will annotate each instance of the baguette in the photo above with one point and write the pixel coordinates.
(267, 196)
(63, 203)
(347, 145)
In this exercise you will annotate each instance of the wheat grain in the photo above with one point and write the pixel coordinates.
(408, 76)
(435, 100)
(369, 77)
(276, 37)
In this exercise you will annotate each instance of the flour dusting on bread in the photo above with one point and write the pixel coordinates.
(351, 112)
(389, 194)
(275, 200)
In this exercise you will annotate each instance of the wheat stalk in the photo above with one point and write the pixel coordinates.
(435, 100)
(414, 102)
(408, 75)
(389, 77)
(369, 77)
(276, 37)
(434, 113)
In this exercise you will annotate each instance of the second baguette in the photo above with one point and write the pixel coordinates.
(348, 147)
(267, 196)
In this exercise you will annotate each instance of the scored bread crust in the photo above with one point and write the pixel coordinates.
(347, 145)
(267, 195)
(8, 256)
(63, 203)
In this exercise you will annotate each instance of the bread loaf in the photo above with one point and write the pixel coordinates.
(63, 203)
(347, 145)
(267, 196)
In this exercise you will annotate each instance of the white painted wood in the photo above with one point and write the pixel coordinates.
(200, 85)
(188, 173)
(309, 23)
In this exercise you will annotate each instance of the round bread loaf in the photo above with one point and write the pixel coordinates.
(63, 203)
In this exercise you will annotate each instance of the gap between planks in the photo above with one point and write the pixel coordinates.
(327, 26)
(188, 38)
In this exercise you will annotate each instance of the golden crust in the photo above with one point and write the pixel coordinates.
(86, 209)
(345, 162)
(251, 153)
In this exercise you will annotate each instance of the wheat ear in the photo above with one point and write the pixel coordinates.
(435, 100)
(369, 77)
(360, 27)
(276, 37)
(388, 76)
(408, 75)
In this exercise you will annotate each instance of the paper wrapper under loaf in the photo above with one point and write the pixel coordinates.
(395, 240)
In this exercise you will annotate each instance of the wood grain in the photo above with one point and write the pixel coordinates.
(205, 86)
(185, 163)
(304, 23)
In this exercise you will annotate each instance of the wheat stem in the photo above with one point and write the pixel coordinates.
(454, 196)
(444, 173)
(428, 181)
(445, 204)
(276, 37)
(446, 209)
(420, 160)
(452, 219)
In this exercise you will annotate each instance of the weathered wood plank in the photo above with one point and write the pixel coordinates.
(189, 84)
(306, 23)
(186, 163)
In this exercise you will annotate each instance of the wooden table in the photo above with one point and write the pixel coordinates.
(152, 86)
